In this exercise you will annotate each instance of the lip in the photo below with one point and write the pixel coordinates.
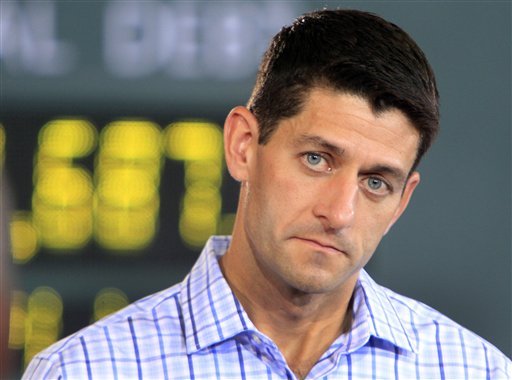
(321, 245)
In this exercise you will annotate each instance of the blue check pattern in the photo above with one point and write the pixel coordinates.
(198, 330)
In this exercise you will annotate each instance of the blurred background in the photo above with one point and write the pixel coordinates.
(112, 168)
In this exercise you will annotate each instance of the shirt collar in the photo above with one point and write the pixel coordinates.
(212, 314)
(374, 310)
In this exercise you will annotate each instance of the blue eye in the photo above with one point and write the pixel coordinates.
(316, 162)
(313, 159)
(375, 183)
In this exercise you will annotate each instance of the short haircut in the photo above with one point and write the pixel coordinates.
(349, 51)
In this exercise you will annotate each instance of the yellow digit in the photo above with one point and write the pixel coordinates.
(107, 301)
(62, 199)
(127, 176)
(199, 145)
(44, 320)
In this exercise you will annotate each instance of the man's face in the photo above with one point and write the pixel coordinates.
(319, 196)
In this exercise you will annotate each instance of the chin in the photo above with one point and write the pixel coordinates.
(314, 284)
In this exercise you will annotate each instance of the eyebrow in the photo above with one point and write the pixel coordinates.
(391, 171)
(319, 142)
(398, 174)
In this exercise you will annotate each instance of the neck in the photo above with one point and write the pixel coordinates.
(302, 325)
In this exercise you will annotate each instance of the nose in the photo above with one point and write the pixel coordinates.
(336, 204)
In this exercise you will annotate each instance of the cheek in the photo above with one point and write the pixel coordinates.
(278, 184)
(280, 195)
(293, 196)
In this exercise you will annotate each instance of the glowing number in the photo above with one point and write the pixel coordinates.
(62, 200)
(127, 175)
(17, 318)
(107, 301)
(44, 321)
(24, 239)
(121, 208)
(199, 144)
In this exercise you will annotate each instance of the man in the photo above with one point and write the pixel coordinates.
(345, 105)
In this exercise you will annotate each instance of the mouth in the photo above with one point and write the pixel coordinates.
(321, 246)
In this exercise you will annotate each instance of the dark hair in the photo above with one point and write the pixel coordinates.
(350, 51)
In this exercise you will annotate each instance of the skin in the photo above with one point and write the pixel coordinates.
(315, 201)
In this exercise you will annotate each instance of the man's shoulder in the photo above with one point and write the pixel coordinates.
(151, 317)
(146, 311)
(160, 327)
(436, 335)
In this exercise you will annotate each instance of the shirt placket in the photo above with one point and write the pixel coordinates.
(267, 352)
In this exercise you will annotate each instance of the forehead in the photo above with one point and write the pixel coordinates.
(348, 122)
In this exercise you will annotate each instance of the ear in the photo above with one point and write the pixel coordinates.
(240, 138)
(412, 182)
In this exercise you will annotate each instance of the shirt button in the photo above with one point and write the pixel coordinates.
(257, 339)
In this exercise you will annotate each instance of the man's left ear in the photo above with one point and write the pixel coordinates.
(412, 182)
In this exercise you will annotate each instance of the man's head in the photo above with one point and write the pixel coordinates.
(348, 51)
(344, 105)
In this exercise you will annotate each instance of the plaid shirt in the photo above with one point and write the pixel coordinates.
(199, 330)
